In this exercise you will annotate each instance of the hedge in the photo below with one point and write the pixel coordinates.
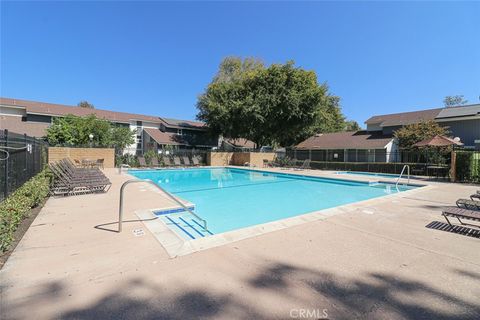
(17, 206)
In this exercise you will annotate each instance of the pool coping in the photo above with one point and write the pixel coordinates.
(176, 246)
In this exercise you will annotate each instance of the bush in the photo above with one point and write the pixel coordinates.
(468, 166)
(149, 155)
(129, 159)
(17, 206)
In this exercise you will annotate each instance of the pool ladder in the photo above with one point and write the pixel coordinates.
(168, 194)
(401, 174)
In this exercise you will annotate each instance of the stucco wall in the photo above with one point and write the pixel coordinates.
(238, 158)
(219, 158)
(59, 153)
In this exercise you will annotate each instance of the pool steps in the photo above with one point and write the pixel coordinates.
(182, 223)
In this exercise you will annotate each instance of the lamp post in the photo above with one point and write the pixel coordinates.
(91, 139)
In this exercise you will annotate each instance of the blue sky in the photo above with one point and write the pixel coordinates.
(156, 57)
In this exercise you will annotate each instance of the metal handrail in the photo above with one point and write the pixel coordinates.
(401, 174)
(120, 209)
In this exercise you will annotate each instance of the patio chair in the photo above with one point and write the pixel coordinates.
(186, 161)
(195, 161)
(142, 162)
(100, 163)
(460, 213)
(176, 161)
(468, 204)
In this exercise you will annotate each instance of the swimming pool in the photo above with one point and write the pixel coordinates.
(230, 198)
(374, 174)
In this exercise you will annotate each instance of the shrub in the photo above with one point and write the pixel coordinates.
(149, 155)
(468, 166)
(17, 206)
(129, 159)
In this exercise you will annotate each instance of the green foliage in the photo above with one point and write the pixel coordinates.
(17, 206)
(275, 105)
(453, 101)
(75, 131)
(467, 166)
(352, 125)
(86, 104)
(410, 134)
(149, 155)
(128, 159)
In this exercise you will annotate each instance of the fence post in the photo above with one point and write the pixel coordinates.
(453, 166)
(33, 156)
(26, 155)
(5, 190)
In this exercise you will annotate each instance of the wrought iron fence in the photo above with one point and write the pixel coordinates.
(21, 157)
(422, 162)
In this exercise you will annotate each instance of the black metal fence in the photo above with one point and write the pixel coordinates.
(421, 162)
(21, 157)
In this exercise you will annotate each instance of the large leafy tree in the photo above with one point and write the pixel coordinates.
(410, 134)
(86, 104)
(275, 105)
(75, 131)
(454, 101)
(352, 125)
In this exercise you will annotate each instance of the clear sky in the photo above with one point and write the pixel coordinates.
(156, 57)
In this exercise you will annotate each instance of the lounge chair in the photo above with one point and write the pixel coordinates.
(167, 162)
(176, 161)
(154, 162)
(460, 213)
(142, 162)
(468, 204)
(475, 195)
(195, 161)
(67, 183)
(186, 161)
(304, 165)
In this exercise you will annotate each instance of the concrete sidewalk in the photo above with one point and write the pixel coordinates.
(392, 261)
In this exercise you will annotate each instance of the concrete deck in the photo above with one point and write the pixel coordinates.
(397, 260)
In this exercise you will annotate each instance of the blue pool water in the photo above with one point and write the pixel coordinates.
(383, 175)
(230, 198)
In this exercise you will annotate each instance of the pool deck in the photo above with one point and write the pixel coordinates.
(393, 258)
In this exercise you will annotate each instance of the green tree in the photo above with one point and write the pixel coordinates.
(454, 101)
(75, 131)
(85, 104)
(275, 105)
(410, 134)
(352, 125)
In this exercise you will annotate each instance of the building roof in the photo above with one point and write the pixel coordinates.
(241, 143)
(462, 111)
(346, 140)
(404, 118)
(35, 107)
(183, 123)
(164, 137)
